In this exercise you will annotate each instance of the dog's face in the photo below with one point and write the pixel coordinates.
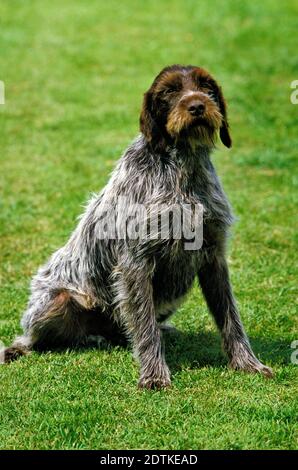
(184, 103)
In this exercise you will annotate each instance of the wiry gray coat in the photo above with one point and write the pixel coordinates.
(122, 288)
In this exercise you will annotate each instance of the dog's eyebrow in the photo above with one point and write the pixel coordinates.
(202, 77)
(170, 79)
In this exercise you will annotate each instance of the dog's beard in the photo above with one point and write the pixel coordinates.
(199, 131)
(201, 134)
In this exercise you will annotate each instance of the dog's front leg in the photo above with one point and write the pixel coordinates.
(217, 290)
(134, 295)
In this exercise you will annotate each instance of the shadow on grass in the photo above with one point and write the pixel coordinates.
(201, 349)
(195, 350)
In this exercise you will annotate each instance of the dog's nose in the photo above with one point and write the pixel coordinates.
(196, 108)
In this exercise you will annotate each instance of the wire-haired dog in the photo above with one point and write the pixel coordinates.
(114, 287)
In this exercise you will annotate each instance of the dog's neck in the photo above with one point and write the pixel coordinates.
(188, 154)
(191, 162)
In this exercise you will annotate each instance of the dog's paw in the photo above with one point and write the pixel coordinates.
(12, 354)
(253, 367)
(154, 383)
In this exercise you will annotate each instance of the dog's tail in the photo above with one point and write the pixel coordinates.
(15, 351)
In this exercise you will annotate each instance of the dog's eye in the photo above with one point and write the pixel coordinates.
(205, 87)
(209, 91)
(169, 91)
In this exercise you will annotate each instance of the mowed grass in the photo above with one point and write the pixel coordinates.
(74, 73)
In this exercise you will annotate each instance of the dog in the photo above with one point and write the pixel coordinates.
(99, 287)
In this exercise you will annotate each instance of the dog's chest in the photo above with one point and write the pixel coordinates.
(177, 267)
(175, 272)
(200, 186)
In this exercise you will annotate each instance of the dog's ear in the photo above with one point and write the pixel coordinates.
(151, 129)
(147, 124)
(224, 132)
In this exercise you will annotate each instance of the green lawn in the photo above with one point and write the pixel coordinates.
(74, 73)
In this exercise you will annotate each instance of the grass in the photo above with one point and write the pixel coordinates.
(74, 73)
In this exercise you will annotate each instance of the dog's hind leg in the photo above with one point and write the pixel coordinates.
(40, 303)
(53, 320)
(20, 347)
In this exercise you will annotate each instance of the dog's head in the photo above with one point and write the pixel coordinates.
(184, 103)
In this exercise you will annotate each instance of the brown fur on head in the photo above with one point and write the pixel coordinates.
(184, 103)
